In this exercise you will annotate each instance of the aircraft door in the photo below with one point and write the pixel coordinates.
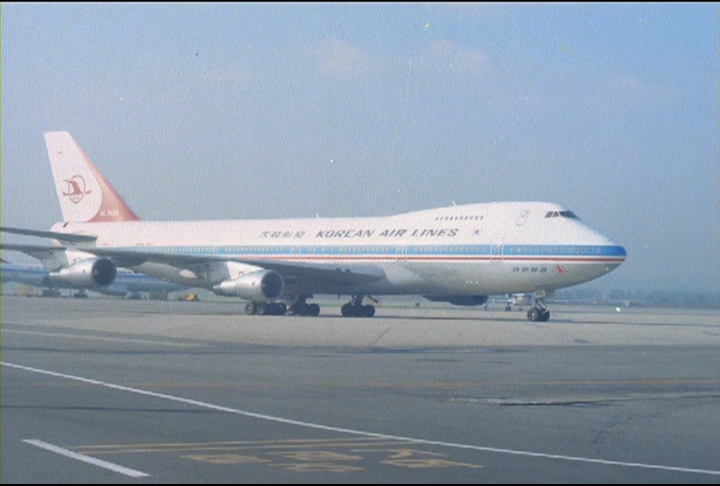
(496, 250)
(523, 217)
(401, 253)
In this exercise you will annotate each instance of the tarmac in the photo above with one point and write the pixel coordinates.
(108, 391)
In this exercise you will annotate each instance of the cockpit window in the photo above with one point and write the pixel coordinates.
(561, 214)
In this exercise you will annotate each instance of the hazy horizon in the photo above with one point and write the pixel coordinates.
(223, 111)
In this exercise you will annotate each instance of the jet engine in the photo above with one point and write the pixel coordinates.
(262, 285)
(89, 273)
(466, 300)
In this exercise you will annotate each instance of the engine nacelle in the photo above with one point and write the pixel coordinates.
(466, 300)
(89, 273)
(259, 286)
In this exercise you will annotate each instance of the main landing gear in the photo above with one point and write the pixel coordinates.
(300, 308)
(355, 308)
(266, 308)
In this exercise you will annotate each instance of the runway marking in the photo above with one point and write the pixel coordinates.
(145, 341)
(434, 384)
(320, 458)
(341, 430)
(302, 455)
(90, 460)
(263, 445)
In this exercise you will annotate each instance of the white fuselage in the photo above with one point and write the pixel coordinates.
(477, 249)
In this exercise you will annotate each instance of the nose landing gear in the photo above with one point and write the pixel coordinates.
(539, 312)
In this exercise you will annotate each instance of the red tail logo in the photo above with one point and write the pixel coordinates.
(76, 189)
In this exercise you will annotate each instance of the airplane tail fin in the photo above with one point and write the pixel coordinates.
(84, 194)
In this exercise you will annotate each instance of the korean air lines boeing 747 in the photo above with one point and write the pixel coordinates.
(457, 254)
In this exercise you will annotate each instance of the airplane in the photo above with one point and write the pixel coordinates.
(125, 283)
(518, 300)
(459, 254)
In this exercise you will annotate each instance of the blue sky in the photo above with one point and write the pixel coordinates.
(197, 111)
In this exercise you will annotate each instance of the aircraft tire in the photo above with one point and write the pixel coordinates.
(250, 308)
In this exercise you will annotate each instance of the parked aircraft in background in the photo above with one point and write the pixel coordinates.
(519, 300)
(458, 254)
(126, 282)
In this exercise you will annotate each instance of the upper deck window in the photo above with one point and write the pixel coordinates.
(459, 218)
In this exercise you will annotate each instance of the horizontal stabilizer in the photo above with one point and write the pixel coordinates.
(52, 257)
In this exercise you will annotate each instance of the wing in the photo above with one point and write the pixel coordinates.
(294, 273)
(69, 237)
(52, 257)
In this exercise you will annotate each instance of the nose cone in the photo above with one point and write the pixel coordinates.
(607, 255)
(611, 255)
(589, 236)
(621, 252)
(616, 256)
(603, 257)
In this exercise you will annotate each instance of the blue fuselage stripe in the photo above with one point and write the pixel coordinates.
(410, 252)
